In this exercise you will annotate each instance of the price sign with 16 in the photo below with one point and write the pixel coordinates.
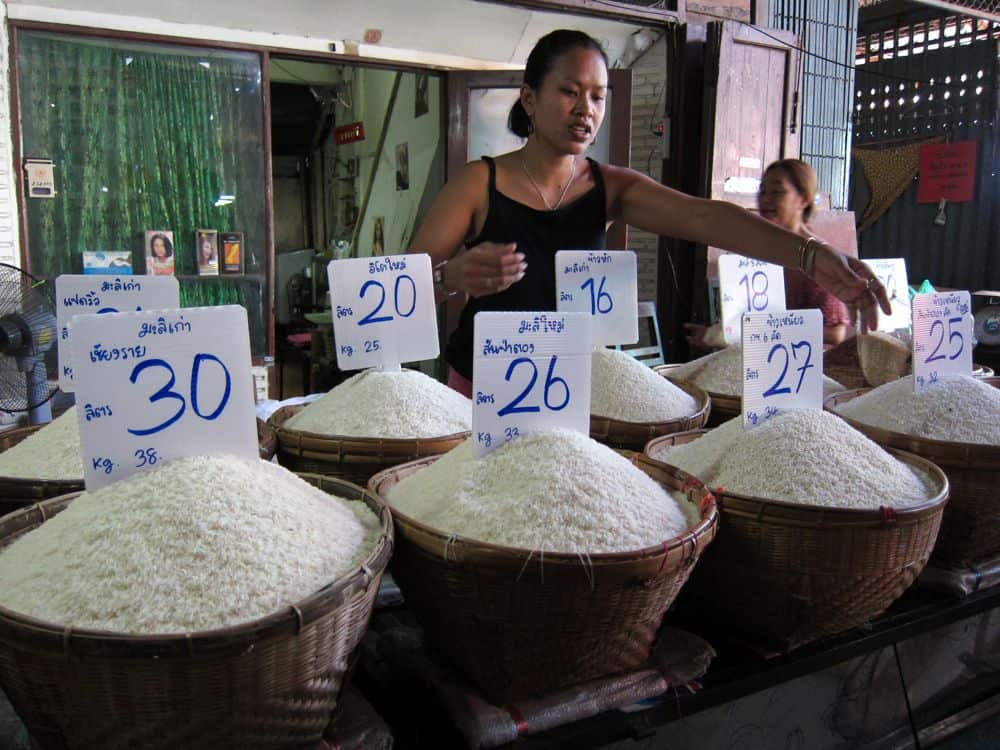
(531, 371)
(601, 283)
(892, 273)
(79, 295)
(158, 385)
(942, 337)
(748, 285)
(383, 310)
(782, 363)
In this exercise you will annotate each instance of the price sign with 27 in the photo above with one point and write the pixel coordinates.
(942, 337)
(530, 371)
(383, 310)
(782, 363)
(154, 386)
(601, 283)
(748, 285)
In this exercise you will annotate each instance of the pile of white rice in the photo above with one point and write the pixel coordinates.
(623, 388)
(722, 372)
(374, 404)
(53, 452)
(555, 491)
(196, 544)
(802, 456)
(959, 408)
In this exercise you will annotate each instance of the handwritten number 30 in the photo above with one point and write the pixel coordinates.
(167, 392)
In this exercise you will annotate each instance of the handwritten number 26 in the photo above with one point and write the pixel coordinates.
(167, 392)
(551, 382)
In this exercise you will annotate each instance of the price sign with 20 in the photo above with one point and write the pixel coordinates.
(531, 371)
(154, 386)
(383, 310)
(942, 337)
(782, 363)
(892, 273)
(603, 284)
(748, 285)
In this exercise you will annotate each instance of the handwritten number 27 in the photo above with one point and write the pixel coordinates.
(777, 388)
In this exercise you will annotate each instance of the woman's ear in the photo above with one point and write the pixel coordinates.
(528, 100)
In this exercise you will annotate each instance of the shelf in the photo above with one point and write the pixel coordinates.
(220, 277)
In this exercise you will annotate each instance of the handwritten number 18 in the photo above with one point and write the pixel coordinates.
(756, 289)
(777, 388)
(167, 392)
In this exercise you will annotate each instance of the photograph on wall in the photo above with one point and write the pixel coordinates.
(207, 243)
(231, 244)
(378, 236)
(107, 261)
(159, 248)
(420, 104)
(402, 167)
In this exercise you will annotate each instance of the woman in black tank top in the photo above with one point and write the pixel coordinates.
(513, 213)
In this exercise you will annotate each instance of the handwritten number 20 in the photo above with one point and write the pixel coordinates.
(167, 392)
(939, 326)
(551, 381)
(777, 389)
(372, 284)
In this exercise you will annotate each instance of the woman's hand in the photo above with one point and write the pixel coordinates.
(851, 281)
(485, 269)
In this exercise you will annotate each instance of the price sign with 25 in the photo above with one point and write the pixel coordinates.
(782, 363)
(601, 283)
(892, 273)
(154, 386)
(383, 310)
(82, 295)
(942, 337)
(748, 285)
(531, 371)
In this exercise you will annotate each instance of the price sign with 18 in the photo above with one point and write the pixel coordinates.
(748, 285)
(892, 273)
(942, 337)
(601, 283)
(383, 310)
(531, 371)
(158, 385)
(782, 363)
(80, 295)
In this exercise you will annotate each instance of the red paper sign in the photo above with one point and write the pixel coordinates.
(947, 171)
(349, 133)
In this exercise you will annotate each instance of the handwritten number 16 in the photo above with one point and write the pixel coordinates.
(551, 381)
(600, 300)
(167, 392)
(777, 389)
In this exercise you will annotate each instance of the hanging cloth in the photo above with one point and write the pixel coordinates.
(889, 172)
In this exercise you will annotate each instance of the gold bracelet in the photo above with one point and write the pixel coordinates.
(807, 255)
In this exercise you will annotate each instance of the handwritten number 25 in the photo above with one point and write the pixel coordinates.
(777, 388)
(167, 392)
(939, 326)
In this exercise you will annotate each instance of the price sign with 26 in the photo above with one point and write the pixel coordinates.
(748, 285)
(531, 371)
(942, 337)
(892, 273)
(601, 283)
(383, 310)
(154, 386)
(81, 295)
(782, 363)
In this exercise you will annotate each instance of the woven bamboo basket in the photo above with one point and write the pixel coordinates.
(843, 364)
(269, 683)
(355, 459)
(633, 436)
(18, 492)
(787, 574)
(883, 358)
(519, 623)
(724, 407)
(971, 526)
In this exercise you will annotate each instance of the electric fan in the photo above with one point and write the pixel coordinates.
(28, 353)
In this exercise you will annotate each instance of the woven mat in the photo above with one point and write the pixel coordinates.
(982, 574)
(683, 658)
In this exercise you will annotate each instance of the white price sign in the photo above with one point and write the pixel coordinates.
(154, 386)
(782, 363)
(601, 283)
(892, 273)
(531, 371)
(383, 310)
(80, 295)
(748, 285)
(942, 337)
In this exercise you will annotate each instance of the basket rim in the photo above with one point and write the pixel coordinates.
(706, 524)
(286, 412)
(857, 515)
(718, 399)
(703, 401)
(292, 618)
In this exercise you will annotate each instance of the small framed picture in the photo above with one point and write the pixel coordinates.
(231, 245)
(420, 103)
(402, 167)
(159, 247)
(207, 243)
(378, 236)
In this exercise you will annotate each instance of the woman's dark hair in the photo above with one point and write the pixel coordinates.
(803, 179)
(540, 62)
(167, 244)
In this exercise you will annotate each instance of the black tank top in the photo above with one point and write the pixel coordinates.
(579, 225)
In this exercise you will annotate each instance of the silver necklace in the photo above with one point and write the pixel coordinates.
(539, 190)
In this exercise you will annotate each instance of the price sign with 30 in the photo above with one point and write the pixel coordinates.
(154, 386)
(601, 283)
(892, 273)
(531, 371)
(942, 337)
(383, 310)
(83, 295)
(748, 285)
(782, 363)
